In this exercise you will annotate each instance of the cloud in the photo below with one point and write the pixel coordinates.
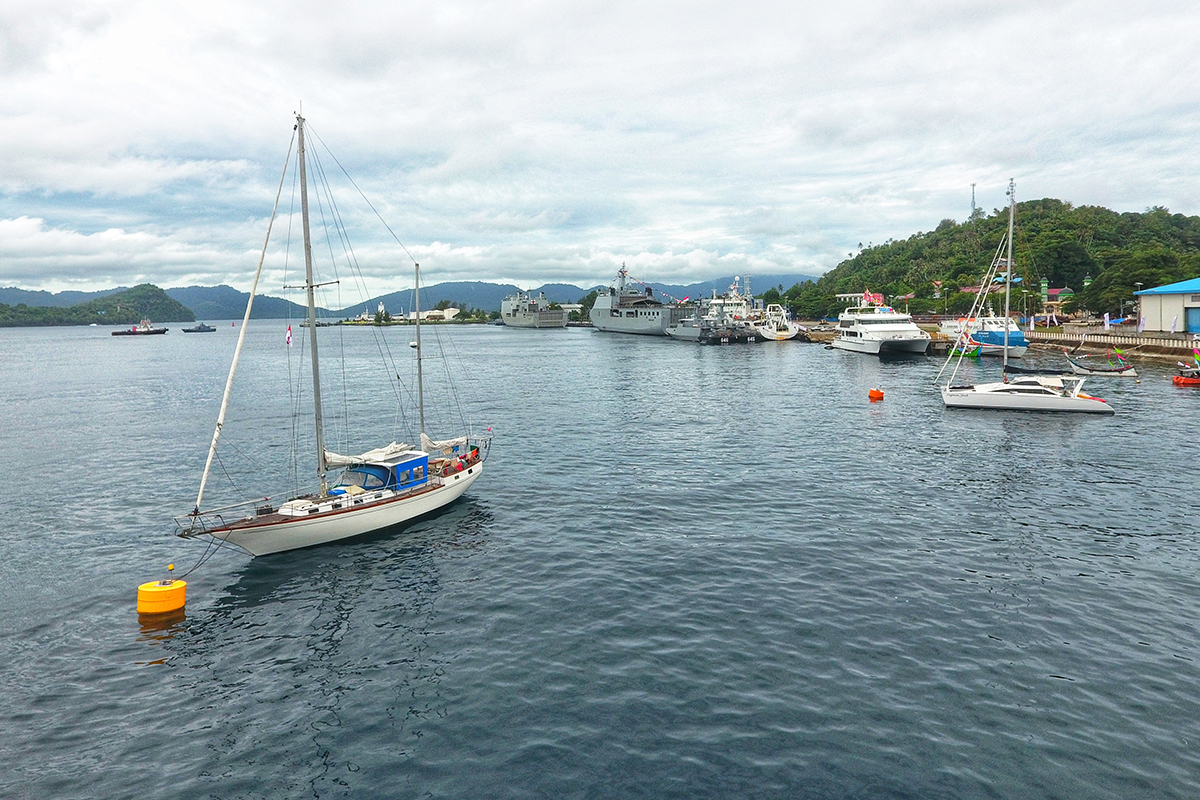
(545, 141)
(34, 254)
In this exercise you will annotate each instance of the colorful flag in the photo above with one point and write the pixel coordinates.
(289, 336)
(1105, 320)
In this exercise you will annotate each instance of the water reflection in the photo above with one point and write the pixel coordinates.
(463, 525)
(160, 627)
(317, 663)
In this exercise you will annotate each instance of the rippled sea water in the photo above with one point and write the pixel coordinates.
(686, 572)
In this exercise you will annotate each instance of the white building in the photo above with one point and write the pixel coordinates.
(1174, 308)
(434, 315)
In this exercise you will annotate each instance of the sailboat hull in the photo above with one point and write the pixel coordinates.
(1123, 372)
(277, 534)
(1007, 397)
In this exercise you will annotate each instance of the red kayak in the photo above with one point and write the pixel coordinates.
(1183, 380)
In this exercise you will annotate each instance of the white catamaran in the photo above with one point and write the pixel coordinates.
(376, 489)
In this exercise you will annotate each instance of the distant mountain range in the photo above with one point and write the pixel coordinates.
(13, 297)
(225, 302)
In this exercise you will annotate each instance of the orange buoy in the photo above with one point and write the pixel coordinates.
(876, 395)
(161, 597)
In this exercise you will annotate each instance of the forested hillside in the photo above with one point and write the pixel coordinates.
(225, 302)
(1053, 240)
(123, 308)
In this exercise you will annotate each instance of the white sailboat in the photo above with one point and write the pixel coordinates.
(1025, 392)
(375, 490)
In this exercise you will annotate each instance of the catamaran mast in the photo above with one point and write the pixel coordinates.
(312, 308)
(1012, 205)
(420, 381)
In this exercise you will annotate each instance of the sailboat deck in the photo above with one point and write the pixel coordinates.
(341, 504)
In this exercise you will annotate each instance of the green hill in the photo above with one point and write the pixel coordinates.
(127, 307)
(1053, 240)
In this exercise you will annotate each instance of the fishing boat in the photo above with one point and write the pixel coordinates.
(1189, 374)
(377, 489)
(1115, 365)
(1026, 391)
(143, 328)
(201, 328)
(966, 347)
(988, 333)
(776, 325)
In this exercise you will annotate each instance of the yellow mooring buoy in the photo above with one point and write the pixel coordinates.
(161, 597)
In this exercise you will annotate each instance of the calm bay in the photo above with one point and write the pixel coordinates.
(686, 572)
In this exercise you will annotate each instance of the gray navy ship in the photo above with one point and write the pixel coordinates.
(522, 311)
(626, 309)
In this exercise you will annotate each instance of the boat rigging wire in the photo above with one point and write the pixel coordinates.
(974, 313)
(351, 257)
(361, 194)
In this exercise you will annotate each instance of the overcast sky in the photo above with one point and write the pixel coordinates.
(550, 141)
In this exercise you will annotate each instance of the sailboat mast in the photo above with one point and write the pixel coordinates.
(1012, 205)
(420, 379)
(312, 308)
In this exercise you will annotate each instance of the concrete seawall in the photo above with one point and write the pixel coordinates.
(1157, 345)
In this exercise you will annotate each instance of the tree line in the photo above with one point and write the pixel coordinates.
(1053, 240)
(145, 301)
